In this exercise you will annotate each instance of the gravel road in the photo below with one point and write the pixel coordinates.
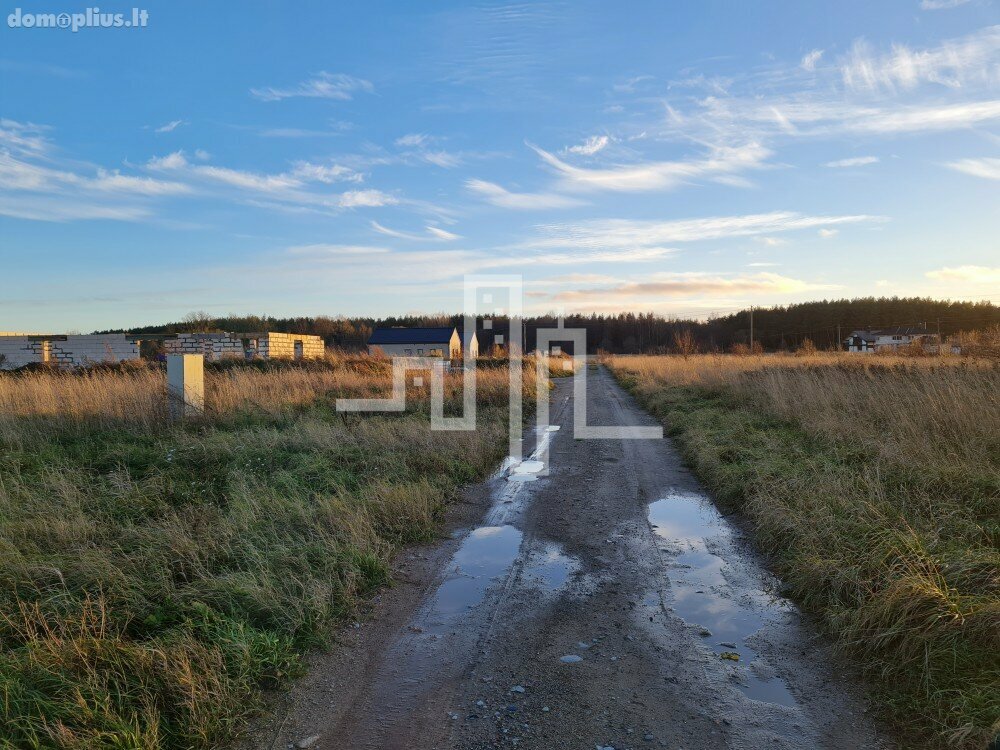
(606, 604)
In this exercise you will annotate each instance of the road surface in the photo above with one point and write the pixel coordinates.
(604, 605)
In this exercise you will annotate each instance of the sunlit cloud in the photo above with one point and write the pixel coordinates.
(810, 59)
(590, 146)
(967, 274)
(987, 168)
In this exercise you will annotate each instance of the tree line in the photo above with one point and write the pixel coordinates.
(821, 323)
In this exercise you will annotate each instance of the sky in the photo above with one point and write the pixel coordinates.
(322, 158)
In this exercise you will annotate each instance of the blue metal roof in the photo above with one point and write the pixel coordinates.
(410, 336)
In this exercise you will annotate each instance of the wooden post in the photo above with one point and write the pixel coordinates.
(185, 385)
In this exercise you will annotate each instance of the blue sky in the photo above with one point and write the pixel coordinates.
(332, 158)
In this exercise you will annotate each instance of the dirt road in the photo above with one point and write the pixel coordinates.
(603, 605)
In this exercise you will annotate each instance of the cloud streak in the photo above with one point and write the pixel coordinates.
(499, 196)
(323, 85)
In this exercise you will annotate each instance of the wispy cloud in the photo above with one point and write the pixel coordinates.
(810, 59)
(954, 64)
(504, 198)
(170, 126)
(625, 233)
(967, 274)
(827, 234)
(590, 146)
(941, 4)
(414, 140)
(854, 161)
(443, 234)
(656, 175)
(323, 85)
(290, 188)
(688, 284)
(987, 168)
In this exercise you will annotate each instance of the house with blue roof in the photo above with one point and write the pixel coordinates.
(421, 342)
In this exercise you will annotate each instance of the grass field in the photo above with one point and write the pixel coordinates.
(154, 577)
(873, 485)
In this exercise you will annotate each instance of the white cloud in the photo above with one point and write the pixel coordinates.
(590, 146)
(499, 196)
(987, 168)
(170, 126)
(625, 233)
(443, 234)
(656, 175)
(968, 274)
(23, 137)
(687, 284)
(954, 64)
(413, 140)
(326, 173)
(771, 241)
(365, 198)
(941, 4)
(321, 86)
(810, 59)
(440, 158)
(854, 161)
(828, 233)
(381, 229)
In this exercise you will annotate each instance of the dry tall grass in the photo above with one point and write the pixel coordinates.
(874, 485)
(153, 576)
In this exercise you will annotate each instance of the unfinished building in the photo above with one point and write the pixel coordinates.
(21, 349)
(267, 345)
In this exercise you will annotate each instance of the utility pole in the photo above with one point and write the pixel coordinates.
(751, 329)
(940, 342)
(839, 344)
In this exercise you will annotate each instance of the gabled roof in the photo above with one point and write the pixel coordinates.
(869, 334)
(411, 336)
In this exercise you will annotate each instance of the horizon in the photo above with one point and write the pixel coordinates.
(685, 161)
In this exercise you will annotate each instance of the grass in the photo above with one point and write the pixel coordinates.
(154, 577)
(873, 484)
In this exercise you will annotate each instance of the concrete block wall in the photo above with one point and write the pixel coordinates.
(214, 346)
(282, 346)
(75, 351)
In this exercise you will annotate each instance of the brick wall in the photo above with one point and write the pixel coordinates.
(282, 346)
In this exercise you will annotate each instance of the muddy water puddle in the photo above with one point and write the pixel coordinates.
(710, 593)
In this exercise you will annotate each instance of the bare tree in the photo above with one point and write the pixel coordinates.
(198, 322)
(684, 343)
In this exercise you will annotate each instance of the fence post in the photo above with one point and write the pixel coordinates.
(185, 385)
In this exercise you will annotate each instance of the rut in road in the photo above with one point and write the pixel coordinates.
(607, 604)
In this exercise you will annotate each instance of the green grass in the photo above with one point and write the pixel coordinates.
(152, 582)
(899, 559)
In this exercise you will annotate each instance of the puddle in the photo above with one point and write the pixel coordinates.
(550, 569)
(703, 596)
(484, 555)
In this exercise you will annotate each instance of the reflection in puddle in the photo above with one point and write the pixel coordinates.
(486, 553)
(550, 569)
(702, 595)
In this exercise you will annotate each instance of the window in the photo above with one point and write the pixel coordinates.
(420, 352)
(408, 352)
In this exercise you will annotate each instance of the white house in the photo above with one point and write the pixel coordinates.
(882, 339)
(421, 342)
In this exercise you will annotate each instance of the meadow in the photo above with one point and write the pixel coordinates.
(154, 577)
(873, 486)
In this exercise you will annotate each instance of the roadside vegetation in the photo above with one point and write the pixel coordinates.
(154, 577)
(873, 484)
